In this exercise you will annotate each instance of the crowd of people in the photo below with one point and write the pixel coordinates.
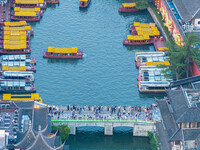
(74, 112)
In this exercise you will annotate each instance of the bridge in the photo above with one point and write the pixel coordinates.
(141, 119)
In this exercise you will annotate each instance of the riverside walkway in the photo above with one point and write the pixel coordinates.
(142, 119)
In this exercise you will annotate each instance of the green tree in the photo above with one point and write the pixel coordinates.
(182, 57)
(63, 131)
(143, 4)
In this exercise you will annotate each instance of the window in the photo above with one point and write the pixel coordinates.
(194, 125)
(177, 142)
(198, 22)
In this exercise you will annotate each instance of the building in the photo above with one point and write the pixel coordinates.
(179, 128)
(15, 116)
(36, 140)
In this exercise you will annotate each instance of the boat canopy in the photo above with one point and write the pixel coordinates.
(18, 9)
(18, 46)
(128, 4)
(13, 57)
(147, 68)
(137, 37)
(15, 24)
(20, 42)
(23, 28)
(21, 97)
(163, 48)
(155, 83)
(148, 54)
(13, 83)
(166, 63)
(14, 37)
(29, 1)
(17, 73)
(13, 32)
(83, 0)
(63, 50)
(150, 33)
(18, 68)
(25, 13)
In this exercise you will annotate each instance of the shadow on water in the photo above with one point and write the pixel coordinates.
(56, 60)
(52, 5)
(136, 13)
(152, 95)
(138, 47)
(122, 138)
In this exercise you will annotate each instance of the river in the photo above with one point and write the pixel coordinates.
(105, 76)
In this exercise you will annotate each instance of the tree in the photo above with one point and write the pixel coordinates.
(142, 4)
(182, 57)
(63, 131)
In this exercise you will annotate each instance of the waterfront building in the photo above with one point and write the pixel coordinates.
(180, 124)
(15, 115)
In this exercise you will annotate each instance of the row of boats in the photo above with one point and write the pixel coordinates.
(151, 78)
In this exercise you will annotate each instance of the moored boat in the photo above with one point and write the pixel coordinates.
(66, 53)
(52, 1)
(30, 4)
(84, 3)
(137, 40)
(26, 58)
(27, 16)
(152, 61)
(148, 54)
(18, 24)
(153, 86)
(18, 75)
(128, 7)
(36, 9)
(17, 86)
(21, 97)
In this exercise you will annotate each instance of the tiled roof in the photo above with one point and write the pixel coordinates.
(187, 8)
(168, 119)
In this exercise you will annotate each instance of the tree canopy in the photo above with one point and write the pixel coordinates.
(143, 4)
(63, 131)
(182, 57)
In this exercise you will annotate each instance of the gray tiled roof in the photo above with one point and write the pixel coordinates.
(187, 8)
(177, 101)
(178, 136)
(163, 138)
(185, 81)
(168, 119)
(25, 104)
(191, 115)
(27, 140)
(191, 134)
(39, 119)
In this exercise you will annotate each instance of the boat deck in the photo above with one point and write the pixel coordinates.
(159, 43)
(4, 11)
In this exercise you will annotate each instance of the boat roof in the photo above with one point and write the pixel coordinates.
(150, 68)
(20, 42)
(83, 0)
(14, 37)
(155, 83)
(17, 73)
(128, 4)
(163, 48)
(13, 32)
(149, 53)
(23, 28)
(13, 57)
(29, 1)
(17, 46)
(25, 13)
(36, 9)
(15, 24)
(16, 68)
(138, 37)
(63, 50)
(12, 83)
(166, 63)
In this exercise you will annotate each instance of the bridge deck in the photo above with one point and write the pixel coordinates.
(102, 114)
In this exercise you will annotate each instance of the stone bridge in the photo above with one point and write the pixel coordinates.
(140, 127)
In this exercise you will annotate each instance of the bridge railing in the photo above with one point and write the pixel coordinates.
(103, 121)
